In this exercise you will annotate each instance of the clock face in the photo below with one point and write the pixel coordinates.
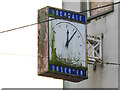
(67, 43)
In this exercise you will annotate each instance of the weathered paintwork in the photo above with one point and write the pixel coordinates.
(42, 41)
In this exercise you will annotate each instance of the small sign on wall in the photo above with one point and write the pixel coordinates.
(62, 44)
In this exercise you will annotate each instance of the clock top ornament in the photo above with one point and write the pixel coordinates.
(62, 44)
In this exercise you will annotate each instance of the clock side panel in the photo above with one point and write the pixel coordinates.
(42, 41)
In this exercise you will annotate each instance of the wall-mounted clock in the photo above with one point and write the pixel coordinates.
(62, 44)
(67, 42)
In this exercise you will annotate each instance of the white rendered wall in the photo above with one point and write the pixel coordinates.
(106, 76)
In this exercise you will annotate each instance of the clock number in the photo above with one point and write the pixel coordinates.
(73, 29)
(66, 26)
(79, 53)
(59, 26)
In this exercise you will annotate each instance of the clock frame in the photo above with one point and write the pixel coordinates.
(62, 48)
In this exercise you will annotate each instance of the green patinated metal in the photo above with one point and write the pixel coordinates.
(52, 46)
(53, 59)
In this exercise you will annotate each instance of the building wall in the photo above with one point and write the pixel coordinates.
(70, 6)
(119, 45)
(106, 76)
(98, 4)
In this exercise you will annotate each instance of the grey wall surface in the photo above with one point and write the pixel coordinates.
(71, 6)
(119, 46)
(106, 76)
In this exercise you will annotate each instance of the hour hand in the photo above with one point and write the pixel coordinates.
(67, 38)
(66, 44)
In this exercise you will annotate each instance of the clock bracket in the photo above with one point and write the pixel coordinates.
(95, 50)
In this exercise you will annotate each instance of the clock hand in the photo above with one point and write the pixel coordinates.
(67, 38)
(71, 37)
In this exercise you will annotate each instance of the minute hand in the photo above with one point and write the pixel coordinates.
(72, 36)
